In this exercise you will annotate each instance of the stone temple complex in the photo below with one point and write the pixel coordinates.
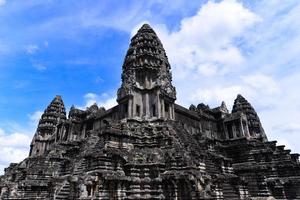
(149, 147)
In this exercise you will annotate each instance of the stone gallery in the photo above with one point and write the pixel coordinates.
(149, 147)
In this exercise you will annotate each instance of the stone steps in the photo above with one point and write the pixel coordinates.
(35, 195)
(211, 167)
(64, 192)
(80, 167)
(229, 192)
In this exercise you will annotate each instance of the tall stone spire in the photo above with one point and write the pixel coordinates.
(255, 128)
(44, 135)
(146, 78)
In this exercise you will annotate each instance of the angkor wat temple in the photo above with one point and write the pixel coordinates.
(149, 147)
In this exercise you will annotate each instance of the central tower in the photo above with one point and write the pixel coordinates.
(146, 91)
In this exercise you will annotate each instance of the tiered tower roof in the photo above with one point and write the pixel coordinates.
(146, 53)
(52, 114)
(242, 105)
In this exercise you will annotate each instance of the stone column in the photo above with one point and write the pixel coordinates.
(83, 131)
(246, 129)
(158, 107)
(225, 130)
(147, 102)
(163, 108)
(241, 127)
(172, 111)
(130, 110)
(133, 107)
(233, 130)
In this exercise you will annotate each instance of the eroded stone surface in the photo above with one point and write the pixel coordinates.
(148, 147)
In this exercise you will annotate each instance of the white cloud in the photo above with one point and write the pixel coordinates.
(35, 117)
(103, 100)
(14, 147)
(226, 49)
(39, 66)
(2, 2)
(262, 82)
(215, 95)
(32, 48)
(204, 51)
(12, 155)
(208, 39)
(208, 69)
(15, 140)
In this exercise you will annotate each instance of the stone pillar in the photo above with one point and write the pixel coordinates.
(130, 110)
(83, 131)
(246, 129)
(133, 107)
(163, 108)
(43, 147)
(225, 130)
(55, 135)
(147, 102)
(71, 136)
(233, 130)
(158, 107)
(242, 128)
(172, 111)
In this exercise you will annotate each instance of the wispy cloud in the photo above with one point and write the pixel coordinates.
(31, 48)
(228, 48)
(35, 117)
(2, 2)
(207, 52)
(39, 66)
(104, 100)
(15, 140)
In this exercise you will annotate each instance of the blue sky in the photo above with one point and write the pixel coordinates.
(217, 49)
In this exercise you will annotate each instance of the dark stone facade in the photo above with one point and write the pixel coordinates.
(148, 147)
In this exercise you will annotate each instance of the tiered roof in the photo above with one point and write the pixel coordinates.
(242, 105)
(146, 51)
(52, 114)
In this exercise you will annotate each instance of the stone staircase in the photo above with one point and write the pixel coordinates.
(63, 192)
(211, 167)
(79, 167)
(229, 193)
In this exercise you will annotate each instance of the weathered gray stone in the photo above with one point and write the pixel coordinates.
(148, 147)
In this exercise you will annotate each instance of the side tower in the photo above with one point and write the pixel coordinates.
(146, 91)
(255, 128)
(44, 135)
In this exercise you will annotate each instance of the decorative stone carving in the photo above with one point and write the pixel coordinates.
(148, 147)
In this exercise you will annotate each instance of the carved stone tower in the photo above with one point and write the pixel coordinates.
(44, 135)
(146, 91)
(136, 150)
(255, 128)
